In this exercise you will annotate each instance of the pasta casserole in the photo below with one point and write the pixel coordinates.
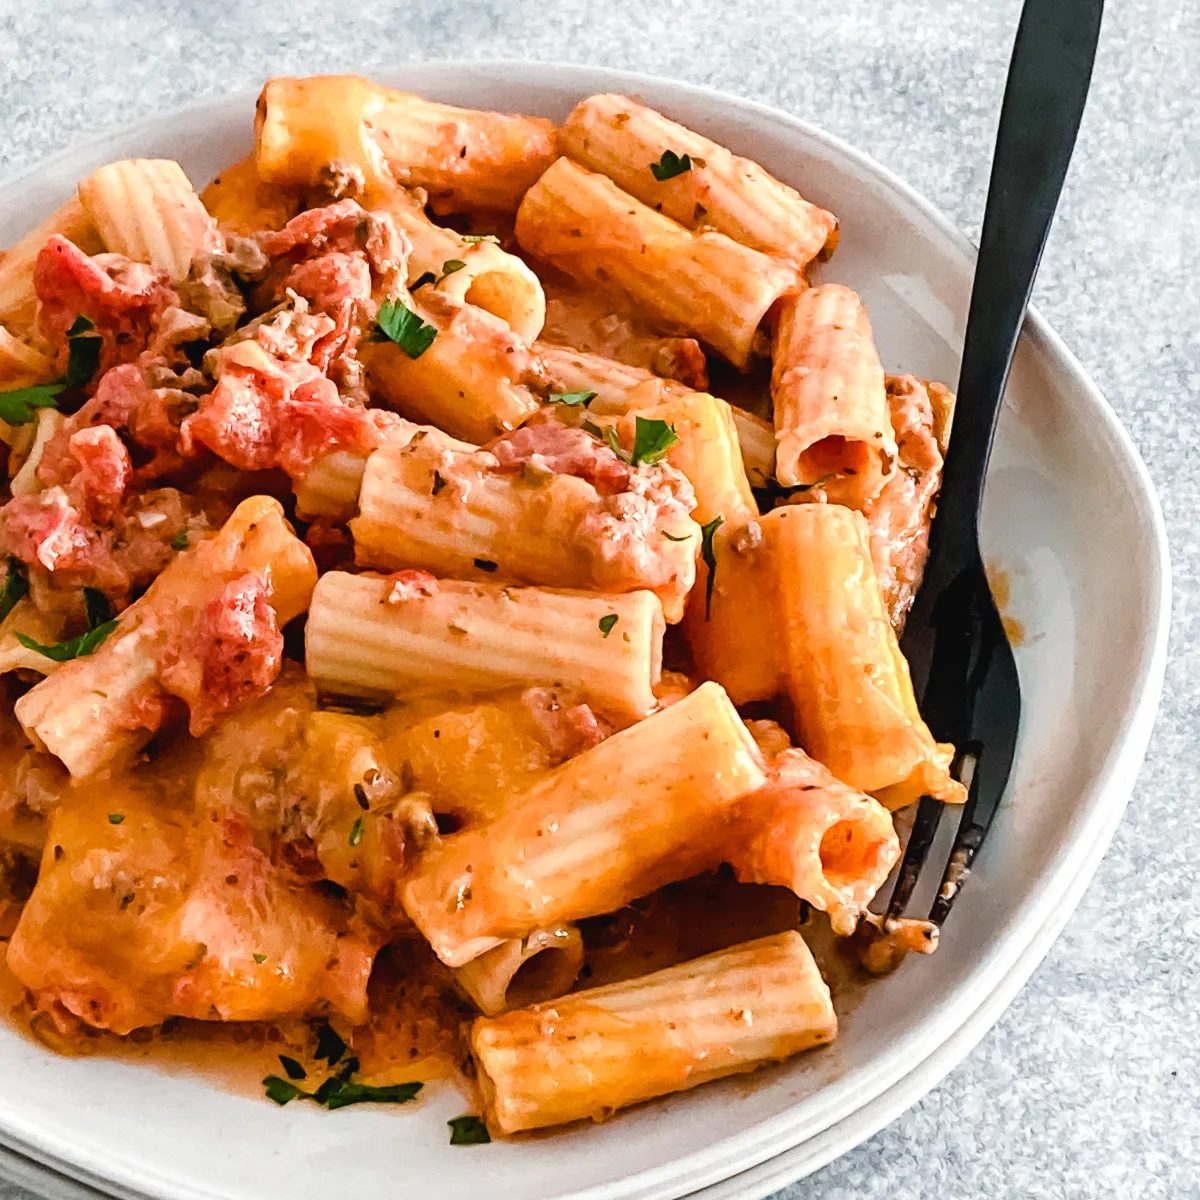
(412, 666)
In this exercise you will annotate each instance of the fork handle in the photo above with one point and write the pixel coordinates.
(1043, 103)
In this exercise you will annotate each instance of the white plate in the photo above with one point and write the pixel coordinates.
(1070, 517)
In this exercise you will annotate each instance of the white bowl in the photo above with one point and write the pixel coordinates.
(1070, 518)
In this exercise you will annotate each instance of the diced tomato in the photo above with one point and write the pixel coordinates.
(104, 471)
(562, 450)
(231, 655)
(123, 299)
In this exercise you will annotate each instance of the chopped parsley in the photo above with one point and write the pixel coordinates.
(76, 647)
(180, 541)
(17, 407)
(448, 268)
(591, 427)
(279, 1090)
(670, 165)
(607, 623)
(651, 441)
(330, 1045)
(101, 623)
(16, 587)
(290, 1065)
(99, 610)
(260, 959)
(84, 358)
(572, 398)
(356, 832)
(438, 482)
(614, 442)
(338, 1091)
(486, 564)
(405, 328)
(468, 1131)
(116, 818)
(672, 538)
(480, 237)
(709, 554)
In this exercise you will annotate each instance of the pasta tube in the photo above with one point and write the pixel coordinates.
(807, 831)
(461, 514)
(356, 133)
(607, 1048)
(146, 209)
(473, 380)
(242, 203)
(18, 299)
(469, 271)
(101, 708)
(540, 966)
(848, 682)
(702, 284)
(378, 636)
(640, 810)
(621, 139)
(831, 411)
(21, 365)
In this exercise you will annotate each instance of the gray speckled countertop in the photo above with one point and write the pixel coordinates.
(1090, 1083)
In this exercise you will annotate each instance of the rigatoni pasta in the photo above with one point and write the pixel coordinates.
(574, 688)
(381, 636)
(356, 133)
(711, 187)
(147, 210)
(832, 425)
(640, 810)
(701, 284)
(617, 1045)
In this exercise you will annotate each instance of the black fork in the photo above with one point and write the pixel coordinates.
(962, 666)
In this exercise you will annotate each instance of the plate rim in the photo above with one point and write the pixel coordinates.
(763, 1142)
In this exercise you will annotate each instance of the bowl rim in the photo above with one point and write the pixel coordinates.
(701, 1168)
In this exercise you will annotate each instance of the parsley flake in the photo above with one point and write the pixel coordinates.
(260, 959)
(473, 238)
(281, 1091)
(16, 587)
(17, 407)
(356, 832)
(180, 541)
(651, 441)
(98, 607)
(290, 1065)
(572, 398)
(451, 265)
(607, 623)
(468, 1131)
(672, 538)
(116, 818)
(330, 1045)
(76, 647)
(84, 356)
(422, 280)
(670, 165)
(709, 554)
(614, 442)
(405, 328)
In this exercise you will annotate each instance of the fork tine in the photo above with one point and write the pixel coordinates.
(925, 827)
(978, 813)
